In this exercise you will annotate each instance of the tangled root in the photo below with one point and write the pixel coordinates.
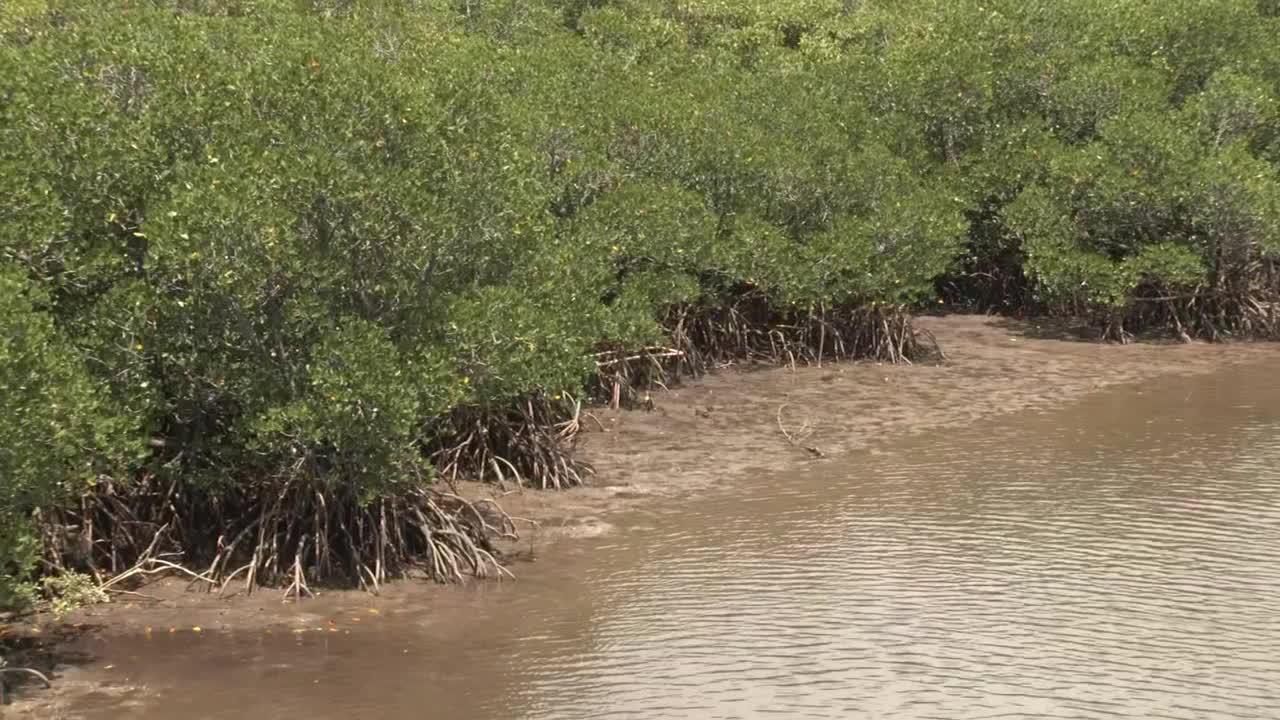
(752, 330)
(529, 443)
(1242, 305)
(293, 529)
(707, 337)
(621, 375)
(285, 533)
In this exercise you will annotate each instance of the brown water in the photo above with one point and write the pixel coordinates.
(1119, 557)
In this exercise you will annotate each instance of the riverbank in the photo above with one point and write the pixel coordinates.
(719, 430)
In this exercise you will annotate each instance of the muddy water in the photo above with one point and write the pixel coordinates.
(1118, 557)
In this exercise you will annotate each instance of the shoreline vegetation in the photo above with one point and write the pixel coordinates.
(706, 442)
(276, 274)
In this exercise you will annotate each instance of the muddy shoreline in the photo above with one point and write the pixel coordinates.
(718, 430)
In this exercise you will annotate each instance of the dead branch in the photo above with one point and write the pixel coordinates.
(797, 440)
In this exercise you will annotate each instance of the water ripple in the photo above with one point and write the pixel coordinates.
(1116, 559)
(1076, 564)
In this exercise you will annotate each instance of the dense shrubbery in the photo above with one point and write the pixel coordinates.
(57, 433)
(268, 265)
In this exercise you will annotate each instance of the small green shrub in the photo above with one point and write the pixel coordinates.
(70, 591)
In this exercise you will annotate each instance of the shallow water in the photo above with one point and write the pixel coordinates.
(1119, 557)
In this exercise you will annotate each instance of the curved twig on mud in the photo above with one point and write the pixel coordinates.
(803, 433)
(28, 671)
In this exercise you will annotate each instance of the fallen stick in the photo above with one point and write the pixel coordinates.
(4, 686)
(792, 439)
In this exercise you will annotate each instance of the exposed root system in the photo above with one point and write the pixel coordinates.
(622, 375)
(282, 533)
(529, 443)
(750, 329)
(1241, 300)
(294, 530)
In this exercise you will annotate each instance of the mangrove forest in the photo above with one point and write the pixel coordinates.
(275, 274)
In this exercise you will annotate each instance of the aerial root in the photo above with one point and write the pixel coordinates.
(529, 444)
(707, 338)
(289, 536)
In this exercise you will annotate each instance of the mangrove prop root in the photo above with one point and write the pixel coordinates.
(750, 329)
(529, 444)
(1239, 301)
(291, 530)
(288, 533)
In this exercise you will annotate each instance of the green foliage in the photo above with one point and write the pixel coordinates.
(71, 590)
(18, 15)
(58, 432)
